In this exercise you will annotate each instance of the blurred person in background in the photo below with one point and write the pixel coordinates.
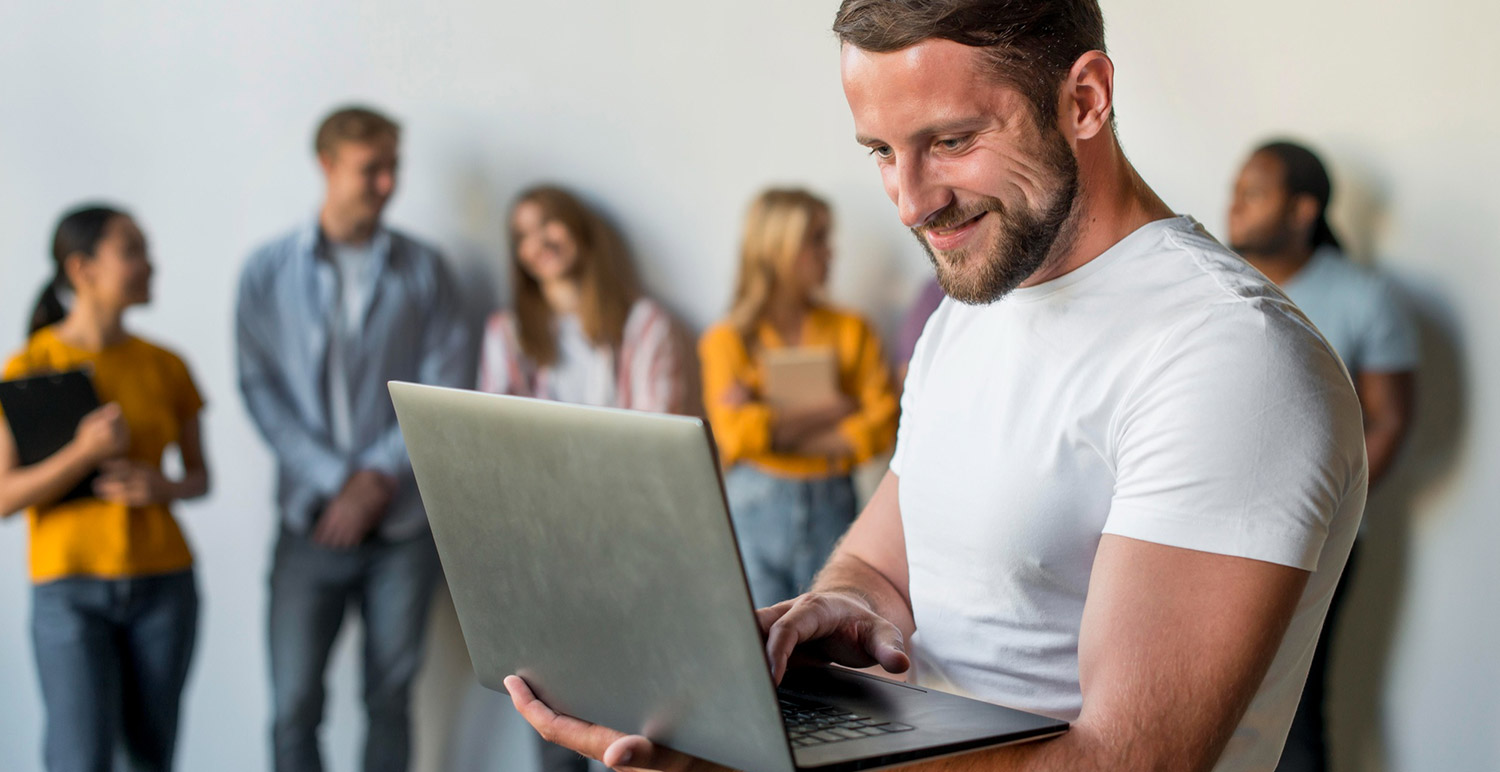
(788, 470)
(327, 314)
(579, 330)
(114, 602)
(1278, 221)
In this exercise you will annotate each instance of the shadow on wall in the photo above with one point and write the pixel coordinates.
(1360, 661)
(479, 273)
(690, 401)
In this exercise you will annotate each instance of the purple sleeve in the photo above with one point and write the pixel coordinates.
(916, 318)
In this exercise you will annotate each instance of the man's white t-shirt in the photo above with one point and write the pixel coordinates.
(1165, 391)
(356, 270)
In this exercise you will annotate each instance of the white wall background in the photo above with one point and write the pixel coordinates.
(669, 115)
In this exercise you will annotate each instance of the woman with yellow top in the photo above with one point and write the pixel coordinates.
(114, 604)
(787, 467)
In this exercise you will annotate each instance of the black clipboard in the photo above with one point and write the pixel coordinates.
(44, 412)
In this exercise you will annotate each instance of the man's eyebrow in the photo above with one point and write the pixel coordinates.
(954, 126)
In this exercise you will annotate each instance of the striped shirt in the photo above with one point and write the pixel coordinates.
(645, 375)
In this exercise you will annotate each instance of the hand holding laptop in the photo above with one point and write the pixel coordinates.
(661, 643)
(832, 626)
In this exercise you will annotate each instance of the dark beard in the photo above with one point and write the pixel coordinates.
(1269, 245)
(1026, 238)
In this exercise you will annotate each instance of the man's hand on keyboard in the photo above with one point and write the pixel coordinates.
(834, 626)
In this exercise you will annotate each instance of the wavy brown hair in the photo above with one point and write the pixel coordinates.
(606, 282)
(776, 229)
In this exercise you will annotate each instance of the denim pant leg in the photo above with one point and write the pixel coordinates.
(827, 511)
(79, 670)
(397, 592)
(311, 588)
(764, 510)
(157, 641)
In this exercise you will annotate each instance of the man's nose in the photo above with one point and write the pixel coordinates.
(916, 194)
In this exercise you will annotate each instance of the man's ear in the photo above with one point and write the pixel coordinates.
(1088, 96)
(325, 160)
(1304, 211)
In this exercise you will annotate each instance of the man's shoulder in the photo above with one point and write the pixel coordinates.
(272, 257)
(278, 248)
(413, 249)
(1343, 276)
(1187, 278)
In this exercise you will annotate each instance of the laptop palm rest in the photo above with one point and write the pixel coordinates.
(941, 723)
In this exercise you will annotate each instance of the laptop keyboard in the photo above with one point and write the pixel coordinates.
(814, 723)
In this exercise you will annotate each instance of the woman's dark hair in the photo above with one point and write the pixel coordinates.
(79, 231)
(1306, 175)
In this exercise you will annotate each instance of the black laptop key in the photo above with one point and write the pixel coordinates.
(811, 723)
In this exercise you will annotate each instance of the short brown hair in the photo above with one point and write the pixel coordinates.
(353, 123)
(1032, 44)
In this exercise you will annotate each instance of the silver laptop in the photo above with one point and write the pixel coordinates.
(590, 551)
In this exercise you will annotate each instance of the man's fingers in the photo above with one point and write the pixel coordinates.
(809, 617)
(637, 752)
(588, 739)
(767, 616)
(331, 532)
(887, 645)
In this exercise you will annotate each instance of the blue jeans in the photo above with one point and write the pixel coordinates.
(312, 587)
(786, 527)
(113, 656)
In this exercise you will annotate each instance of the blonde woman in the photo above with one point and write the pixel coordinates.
(787, 470)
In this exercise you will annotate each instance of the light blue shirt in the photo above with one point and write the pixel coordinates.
(1358, 311)
(409, 329)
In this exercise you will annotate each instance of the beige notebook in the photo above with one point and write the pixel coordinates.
(800, 377)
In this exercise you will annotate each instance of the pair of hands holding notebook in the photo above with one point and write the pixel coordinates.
(103, 438)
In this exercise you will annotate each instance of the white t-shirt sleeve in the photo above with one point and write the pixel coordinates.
(1242, 443)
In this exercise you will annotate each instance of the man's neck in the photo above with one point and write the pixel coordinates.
(1281, 266)
(345, 230)
(1113, 202)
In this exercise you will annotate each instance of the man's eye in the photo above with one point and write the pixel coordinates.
(881, 151)
(950, 144)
